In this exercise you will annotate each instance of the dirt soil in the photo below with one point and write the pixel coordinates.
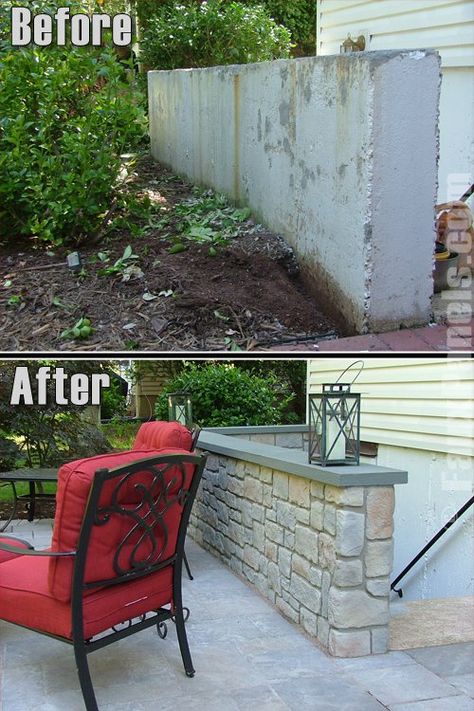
(248, 296)
(43, 509)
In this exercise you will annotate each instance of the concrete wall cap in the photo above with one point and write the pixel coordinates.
(294, 461)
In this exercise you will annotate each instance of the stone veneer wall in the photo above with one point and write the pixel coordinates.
(321, 553)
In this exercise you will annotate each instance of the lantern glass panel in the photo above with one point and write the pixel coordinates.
(334, 436)
(180, 409)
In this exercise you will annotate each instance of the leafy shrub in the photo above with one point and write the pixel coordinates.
(9, 453)
(212, 33)
(66, 115)
(223, 395)
(46, 434)
(299, 16)
(114, 402)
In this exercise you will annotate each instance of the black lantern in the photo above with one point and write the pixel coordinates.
(334, 424)
(180, 409)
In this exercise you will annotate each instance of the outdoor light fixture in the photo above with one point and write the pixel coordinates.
(180, 409)
(334, 423)
(352, 45)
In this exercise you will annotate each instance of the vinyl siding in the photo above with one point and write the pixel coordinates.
(446, 25)
(147, 389)
(419, 403)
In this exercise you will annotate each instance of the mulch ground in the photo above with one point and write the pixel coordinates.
(43, 509)
(246, 297)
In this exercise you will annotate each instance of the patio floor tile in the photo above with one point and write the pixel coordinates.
(454, 703)
(463, 682)
(446, 660)
(410, 682)
(247, 658)
(325, 693)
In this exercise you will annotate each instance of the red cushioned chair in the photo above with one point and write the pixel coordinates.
(160, 433)
(116, 555)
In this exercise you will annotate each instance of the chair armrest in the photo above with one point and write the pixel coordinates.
(30, 550)
(24, 543)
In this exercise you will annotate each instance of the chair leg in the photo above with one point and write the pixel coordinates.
(186, 564)
(183, 642)
(85, 680)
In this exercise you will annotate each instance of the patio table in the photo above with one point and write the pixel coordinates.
(33, 477)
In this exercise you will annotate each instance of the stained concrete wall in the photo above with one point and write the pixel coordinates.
(338, 154)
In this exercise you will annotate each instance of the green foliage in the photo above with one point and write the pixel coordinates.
(206, 219)
(121, 435)
(224, 395)
(81, 329)
(212, 33)
(66, 116)
(299, 16)
(122, 266)
(9, 453)
(45, 433)
(291, 378)
(114, 402)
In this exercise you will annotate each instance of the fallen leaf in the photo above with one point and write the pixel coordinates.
(159, 325)
(220, 316)
(132, 272)
(129, 326)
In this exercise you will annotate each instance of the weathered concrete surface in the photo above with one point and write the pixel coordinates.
(338, 154)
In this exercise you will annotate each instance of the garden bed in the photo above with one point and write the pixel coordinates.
(241, 293)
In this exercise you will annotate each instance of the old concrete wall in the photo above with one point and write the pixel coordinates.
(332, 152)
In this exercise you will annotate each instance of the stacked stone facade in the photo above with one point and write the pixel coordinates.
(322, 554)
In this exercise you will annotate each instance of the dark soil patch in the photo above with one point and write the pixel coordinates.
(43, 509)
(248, 296)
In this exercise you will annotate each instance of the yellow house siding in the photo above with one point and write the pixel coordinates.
(147, 389)
(419, 403)
(447, 25)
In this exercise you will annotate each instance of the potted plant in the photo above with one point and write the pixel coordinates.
(446, 267)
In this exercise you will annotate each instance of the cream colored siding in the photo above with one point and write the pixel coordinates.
(147, 390)
(419, 403)
(447, 25)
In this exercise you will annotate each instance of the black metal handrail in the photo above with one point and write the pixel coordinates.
(440, 533)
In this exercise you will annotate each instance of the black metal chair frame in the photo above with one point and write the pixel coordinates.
(195, 432)
(158, 503)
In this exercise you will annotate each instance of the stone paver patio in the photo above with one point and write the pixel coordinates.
(247, 657)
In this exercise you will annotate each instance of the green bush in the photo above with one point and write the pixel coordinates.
(299, 16)
(212, 33)
(114, 402)
(48, 434)
(66, 115)
(225, 396)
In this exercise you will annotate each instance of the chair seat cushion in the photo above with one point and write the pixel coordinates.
(25, 599)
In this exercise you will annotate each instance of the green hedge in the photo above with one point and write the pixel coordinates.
(225, 396)
(66, 115)
(298, 16)
(210, 34)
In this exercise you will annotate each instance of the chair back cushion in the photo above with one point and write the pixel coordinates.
(157, 435)
(117, 540)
